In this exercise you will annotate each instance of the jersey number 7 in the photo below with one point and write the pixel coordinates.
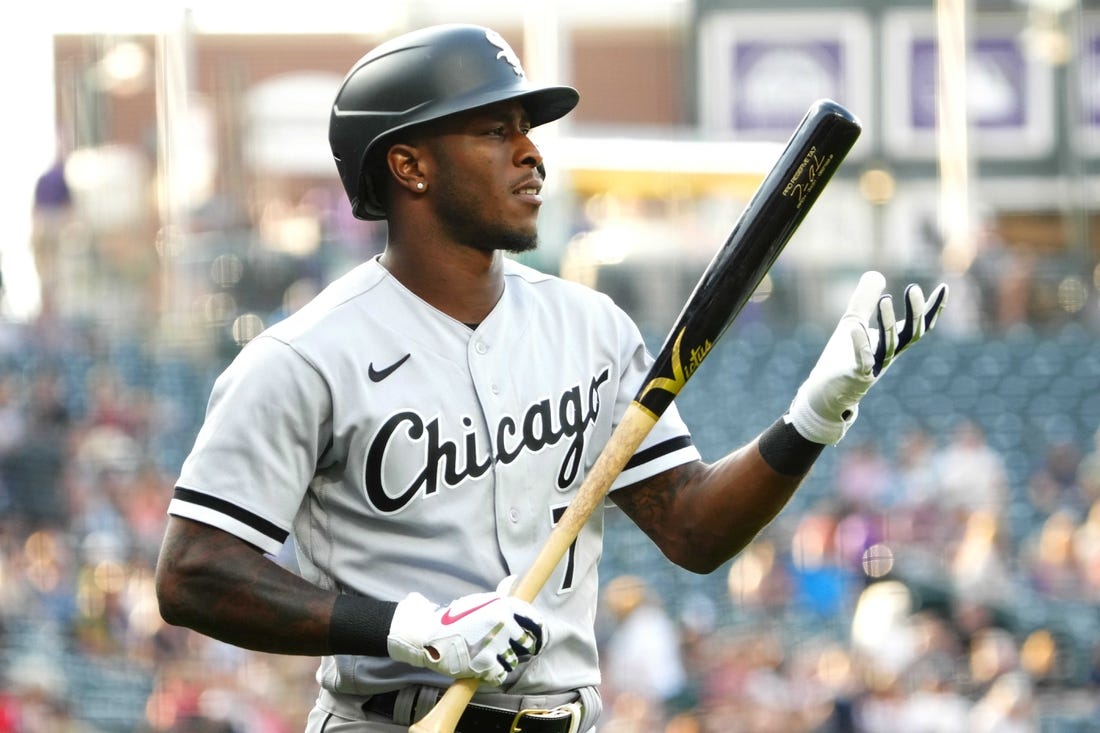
(571, 556)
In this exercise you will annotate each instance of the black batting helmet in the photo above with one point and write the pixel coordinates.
(421, 76)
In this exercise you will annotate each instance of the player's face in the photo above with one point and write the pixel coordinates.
(486, 185)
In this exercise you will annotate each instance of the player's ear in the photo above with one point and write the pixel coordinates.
(406, 166)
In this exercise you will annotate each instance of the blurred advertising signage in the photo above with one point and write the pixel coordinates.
(1088, 82)
(760, 71)
(1009, 93)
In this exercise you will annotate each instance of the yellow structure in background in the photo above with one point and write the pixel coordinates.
(658, 168)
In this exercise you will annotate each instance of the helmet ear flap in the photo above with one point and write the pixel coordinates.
(361, 208)
(372, 183)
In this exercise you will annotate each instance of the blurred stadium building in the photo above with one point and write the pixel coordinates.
(940, 570)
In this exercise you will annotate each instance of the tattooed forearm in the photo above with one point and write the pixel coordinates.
(648, 503)
(220, 586)
(656, 505)
(701, 515)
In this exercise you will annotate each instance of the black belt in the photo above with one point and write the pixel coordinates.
(481, 719)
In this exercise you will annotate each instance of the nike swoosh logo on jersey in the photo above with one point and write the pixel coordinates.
(377, 375)
(449, 618)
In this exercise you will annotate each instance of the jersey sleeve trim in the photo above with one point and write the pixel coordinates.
(656, 451)
(657, 458)
(227, 516)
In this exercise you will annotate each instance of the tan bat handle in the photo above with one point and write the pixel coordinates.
(624, 441)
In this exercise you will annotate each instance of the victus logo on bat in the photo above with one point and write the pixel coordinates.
(696, 356)
(683, 365)
(447, 462)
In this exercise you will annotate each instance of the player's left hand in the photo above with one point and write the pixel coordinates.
(858, 354)
(483, 635)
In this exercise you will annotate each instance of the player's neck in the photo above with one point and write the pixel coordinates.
(462, 282)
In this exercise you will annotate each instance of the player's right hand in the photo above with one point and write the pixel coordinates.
(483, 635)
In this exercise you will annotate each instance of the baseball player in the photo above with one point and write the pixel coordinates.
(418, 428)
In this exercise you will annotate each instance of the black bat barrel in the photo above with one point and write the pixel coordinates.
(816, 148)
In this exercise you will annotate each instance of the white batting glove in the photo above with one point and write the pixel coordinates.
(857, 355)
(483, 635)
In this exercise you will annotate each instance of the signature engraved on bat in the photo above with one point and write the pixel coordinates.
(806, 176)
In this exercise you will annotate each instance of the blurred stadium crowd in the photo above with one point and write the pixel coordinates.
(938, 571)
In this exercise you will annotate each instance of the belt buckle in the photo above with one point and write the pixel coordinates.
(569, 711)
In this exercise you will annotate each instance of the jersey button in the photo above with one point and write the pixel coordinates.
(481, 347)
(494, 388)
(513, 514)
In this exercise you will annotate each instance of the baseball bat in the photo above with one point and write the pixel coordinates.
(816, 148)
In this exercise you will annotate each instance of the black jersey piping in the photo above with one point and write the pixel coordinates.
(656, 451)
(233, 511)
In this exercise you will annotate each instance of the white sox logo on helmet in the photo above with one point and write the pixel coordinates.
(506, 52)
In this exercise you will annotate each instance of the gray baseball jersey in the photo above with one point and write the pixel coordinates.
(403, 450)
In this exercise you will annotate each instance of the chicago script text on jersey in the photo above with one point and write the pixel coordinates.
(449, 462)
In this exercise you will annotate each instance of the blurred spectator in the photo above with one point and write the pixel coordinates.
(10, 706)
(114, 404)
(935, 700)
(1006, 274)
(759, 581)
(643, 655)
(934, 703)
(31, 466)
(12, 413)
(1086, 548)
(864, 476)
(1051, 557)
(973, 476)
(630, 713)
(143, 508)
(1054, 484)
(821, 583)
(884, 639)
(39, 701)
(915, 516)
(965, 318)
(52, 212)
(1088, 472)
(993, 653)
(1008, 707)
(978, 565)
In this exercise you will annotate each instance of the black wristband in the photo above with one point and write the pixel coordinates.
(785, 450)
(360, 625)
